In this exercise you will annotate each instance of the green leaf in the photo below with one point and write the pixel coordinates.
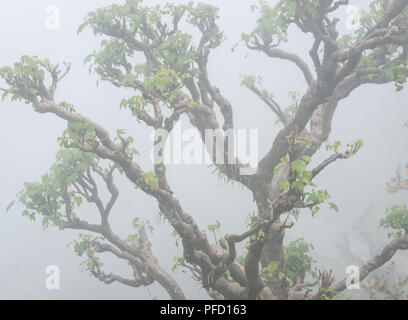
(10, 205)
(334, 207)
(78, 200)
(284, 186)
(298, 166)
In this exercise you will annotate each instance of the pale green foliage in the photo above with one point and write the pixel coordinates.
(148, 52)
(397, 220)
(250, 81)
(269, 272)
(397, 72)
(298, 263)
(137, 105)
(26, 79)
(113, 53)
(395, 69)
(178, 262)
(125, 143)
(215, 229)
(252, 221)
(151, 180)
(241, 259)
(164, 82)
(154, 28)
(367, 20)
(49, 197)
(300, 178)
(83, 246)
(387, 285)
(177, 238)
(176, 53)
(32, 71)
(67, 106)
(291, 109)
(273, 22)
(78, 134)
(138, 224)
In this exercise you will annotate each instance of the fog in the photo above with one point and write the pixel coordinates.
(28, 147)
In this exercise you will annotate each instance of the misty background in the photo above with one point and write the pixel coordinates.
(28, 146)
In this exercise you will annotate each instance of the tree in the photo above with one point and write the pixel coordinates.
(146, 50)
